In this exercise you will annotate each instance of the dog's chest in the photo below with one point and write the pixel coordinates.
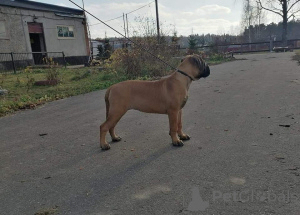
(184, 101)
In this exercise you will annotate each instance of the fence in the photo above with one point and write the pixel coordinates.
(12, 62)
(250, 47)
(15, 61)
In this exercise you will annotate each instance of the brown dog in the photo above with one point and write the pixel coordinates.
(165, 96)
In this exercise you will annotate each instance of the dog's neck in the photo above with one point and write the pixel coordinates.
(185, 80)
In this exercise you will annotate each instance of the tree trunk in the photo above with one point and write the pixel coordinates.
(284, 22)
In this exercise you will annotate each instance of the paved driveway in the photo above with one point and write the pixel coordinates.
(243, 157)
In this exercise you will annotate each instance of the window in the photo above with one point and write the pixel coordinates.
(65, 32)
(3, 33)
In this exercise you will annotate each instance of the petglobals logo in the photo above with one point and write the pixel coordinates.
(197, 203)
(255, 196)
(245, 196)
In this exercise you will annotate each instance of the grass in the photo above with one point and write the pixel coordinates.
(297, 56)
(22, 94)
(217, 59)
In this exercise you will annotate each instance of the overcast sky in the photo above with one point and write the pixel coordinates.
(184, 17)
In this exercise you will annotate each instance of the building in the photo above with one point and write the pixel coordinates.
(95, 44)
(27, 26)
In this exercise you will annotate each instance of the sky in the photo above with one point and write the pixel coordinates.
(183, 17)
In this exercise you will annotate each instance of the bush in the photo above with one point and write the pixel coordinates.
(134, 62)
(52, 73)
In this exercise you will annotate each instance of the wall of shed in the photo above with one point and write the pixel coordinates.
(17, 40)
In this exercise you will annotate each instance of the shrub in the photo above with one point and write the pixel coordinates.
(52, 73)
(134, 62)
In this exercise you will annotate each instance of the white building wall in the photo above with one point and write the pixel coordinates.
(18, 35)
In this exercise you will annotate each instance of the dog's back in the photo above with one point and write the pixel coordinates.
(148, 95)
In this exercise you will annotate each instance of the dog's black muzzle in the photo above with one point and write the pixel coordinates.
(206, 71)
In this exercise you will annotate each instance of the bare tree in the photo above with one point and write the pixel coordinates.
(252, 15)
(248, 16)
(284, 8)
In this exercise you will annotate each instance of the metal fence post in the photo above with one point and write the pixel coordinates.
(241, 51)
(64, 58)
(13, 62)
(271, 45)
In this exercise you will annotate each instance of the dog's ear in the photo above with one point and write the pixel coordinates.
(197, 61)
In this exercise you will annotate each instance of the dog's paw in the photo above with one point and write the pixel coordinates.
(184, 137)
(178, 143)
(105, 146)
(117, 139)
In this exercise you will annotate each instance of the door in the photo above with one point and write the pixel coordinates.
(36, 35)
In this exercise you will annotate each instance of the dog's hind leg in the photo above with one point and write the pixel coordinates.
(114, 137)
(182, 136)
(113, 118)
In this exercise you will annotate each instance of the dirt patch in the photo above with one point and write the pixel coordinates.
(47, 211)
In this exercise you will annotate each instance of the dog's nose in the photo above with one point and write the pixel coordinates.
(206, 71)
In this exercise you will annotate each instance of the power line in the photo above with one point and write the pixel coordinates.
(108, 20)
(140, 7)
(122, 15)
(135, 43)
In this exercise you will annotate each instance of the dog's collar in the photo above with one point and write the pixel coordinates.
(183, 73)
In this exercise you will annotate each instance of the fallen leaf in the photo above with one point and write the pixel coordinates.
(286, 126)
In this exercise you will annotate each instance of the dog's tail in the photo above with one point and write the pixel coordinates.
(107, 101)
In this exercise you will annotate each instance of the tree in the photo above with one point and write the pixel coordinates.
(192, 42)
(107, 49)
(175, 38)
(201, 40)
(100, 51)
(284, 8)
(248, 16)
(252, 15)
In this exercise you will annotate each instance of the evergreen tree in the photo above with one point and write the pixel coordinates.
(100, 51)
(192, 42)
(107, 49)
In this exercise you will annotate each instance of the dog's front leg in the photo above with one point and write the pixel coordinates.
(181, 135)
(173, 121)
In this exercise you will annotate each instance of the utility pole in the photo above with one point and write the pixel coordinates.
(157, 22)
(124, 24)
(127, 25)
(124, 44)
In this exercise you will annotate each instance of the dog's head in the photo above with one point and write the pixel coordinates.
(202, 69)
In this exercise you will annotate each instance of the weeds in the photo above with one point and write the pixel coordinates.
(29, 79)
(134, 62)
(52, 73)
(296, 57)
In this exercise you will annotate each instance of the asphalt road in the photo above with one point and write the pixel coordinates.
(239, 159)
